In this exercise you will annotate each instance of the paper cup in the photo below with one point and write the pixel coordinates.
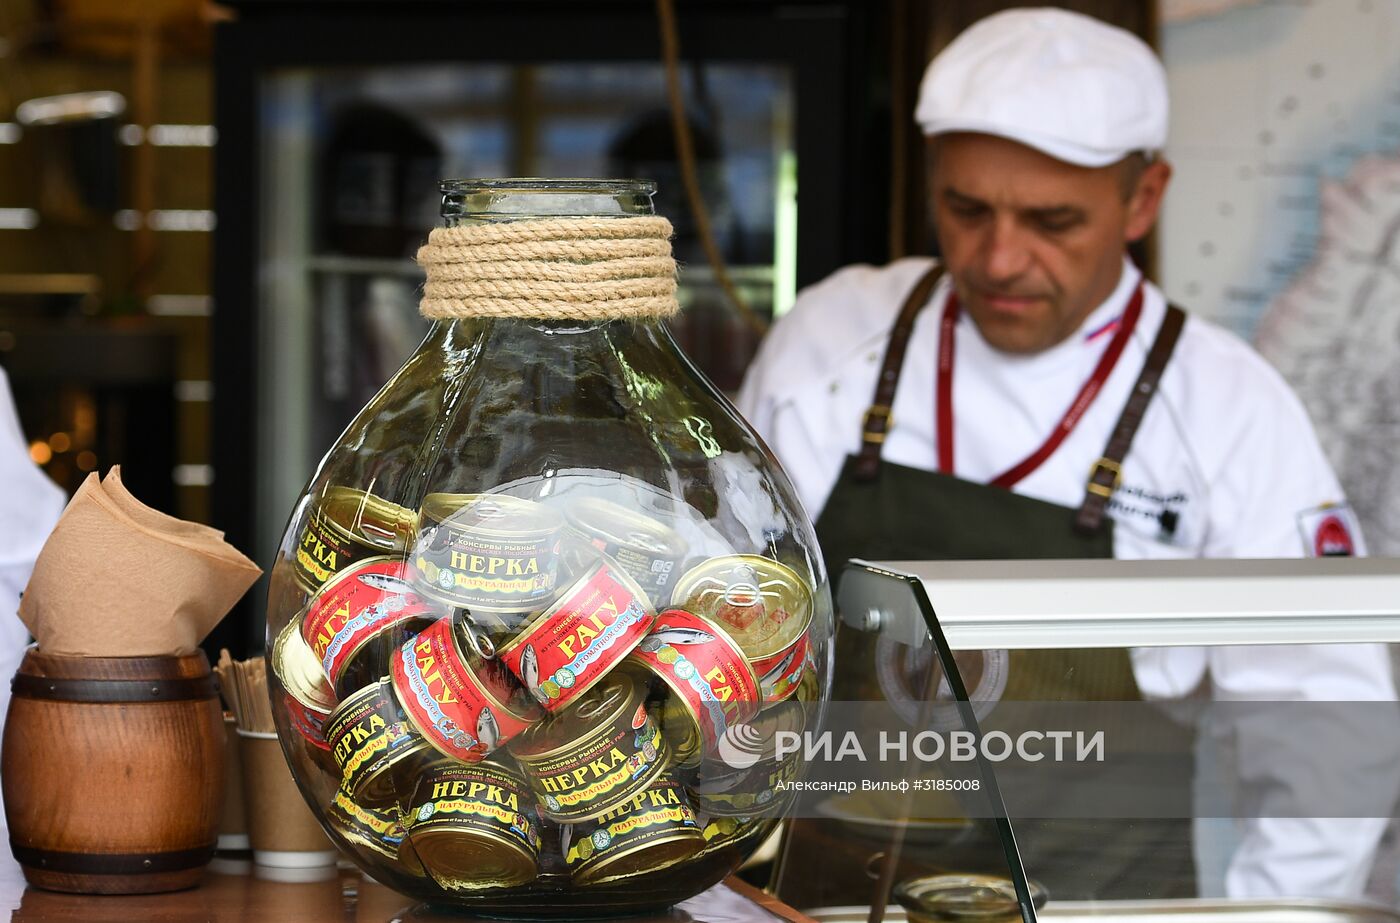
(281, 828)
(233, 826)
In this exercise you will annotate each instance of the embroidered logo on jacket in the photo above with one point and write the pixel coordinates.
(1329, 531)
(1147, 507)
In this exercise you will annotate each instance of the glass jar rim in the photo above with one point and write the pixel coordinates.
(547, 184)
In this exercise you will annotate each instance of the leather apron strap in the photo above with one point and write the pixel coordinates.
(876, 424)
(1108, 470)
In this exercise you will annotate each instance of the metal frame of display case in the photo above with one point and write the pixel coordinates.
(1057, 604)
(1169, 911)
(1028, 605)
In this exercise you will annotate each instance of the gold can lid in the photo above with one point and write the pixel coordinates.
(785, 716)
(491, 514)
(472, 858)
(964, 898)
(673, 715)
(612, 700)
(763, 605)
(369, 520)
(624, 527)
(299, 669)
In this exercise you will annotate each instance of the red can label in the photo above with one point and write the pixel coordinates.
(458, 709)
(357, 604)
(781, 674)
(309, 724)
(706, 668)
(597, 622)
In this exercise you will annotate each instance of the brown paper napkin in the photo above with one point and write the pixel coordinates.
(119, 579)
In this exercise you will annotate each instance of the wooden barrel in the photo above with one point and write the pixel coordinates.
(113, 772)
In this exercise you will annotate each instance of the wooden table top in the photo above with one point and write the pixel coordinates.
(234, 891)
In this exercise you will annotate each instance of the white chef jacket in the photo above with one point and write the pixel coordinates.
(1225, 451)
(30, 505)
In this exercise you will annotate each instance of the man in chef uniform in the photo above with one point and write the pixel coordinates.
(1033, 395)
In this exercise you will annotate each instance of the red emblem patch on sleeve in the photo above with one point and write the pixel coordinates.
(1330, 531)
(1333, 538)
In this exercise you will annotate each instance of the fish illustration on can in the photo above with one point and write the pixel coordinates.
(767, 680)
(387, 583)
(487, 731)
(530, 672)
(667, 635)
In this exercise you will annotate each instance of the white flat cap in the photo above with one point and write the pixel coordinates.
(1063, 83)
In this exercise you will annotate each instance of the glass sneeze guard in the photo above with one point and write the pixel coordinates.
(1172, 781)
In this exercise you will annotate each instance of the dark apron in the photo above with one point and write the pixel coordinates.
(886, 512)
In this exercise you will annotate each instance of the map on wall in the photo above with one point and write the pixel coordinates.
(1283, 223)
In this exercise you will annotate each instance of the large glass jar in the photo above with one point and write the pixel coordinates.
(540, 613)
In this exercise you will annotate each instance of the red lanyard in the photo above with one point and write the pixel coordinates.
(943, 405)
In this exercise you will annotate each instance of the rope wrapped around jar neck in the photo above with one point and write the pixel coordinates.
(571, 268)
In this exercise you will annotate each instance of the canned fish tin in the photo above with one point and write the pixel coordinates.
(464, 704)
(764, 605)
(492, 552)
(574, 643)
(310, 727)
(653, 829)
(347, 626)
(756, 781)
(299, 670)
(379, 831)
(705, 669)
(594, 755)
(346, 526)
(981, 898)
(475, 827)
(376, 748)
(780, 675)
(677, 722)
(646, 549)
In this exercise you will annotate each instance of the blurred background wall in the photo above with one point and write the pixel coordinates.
(105, 187)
